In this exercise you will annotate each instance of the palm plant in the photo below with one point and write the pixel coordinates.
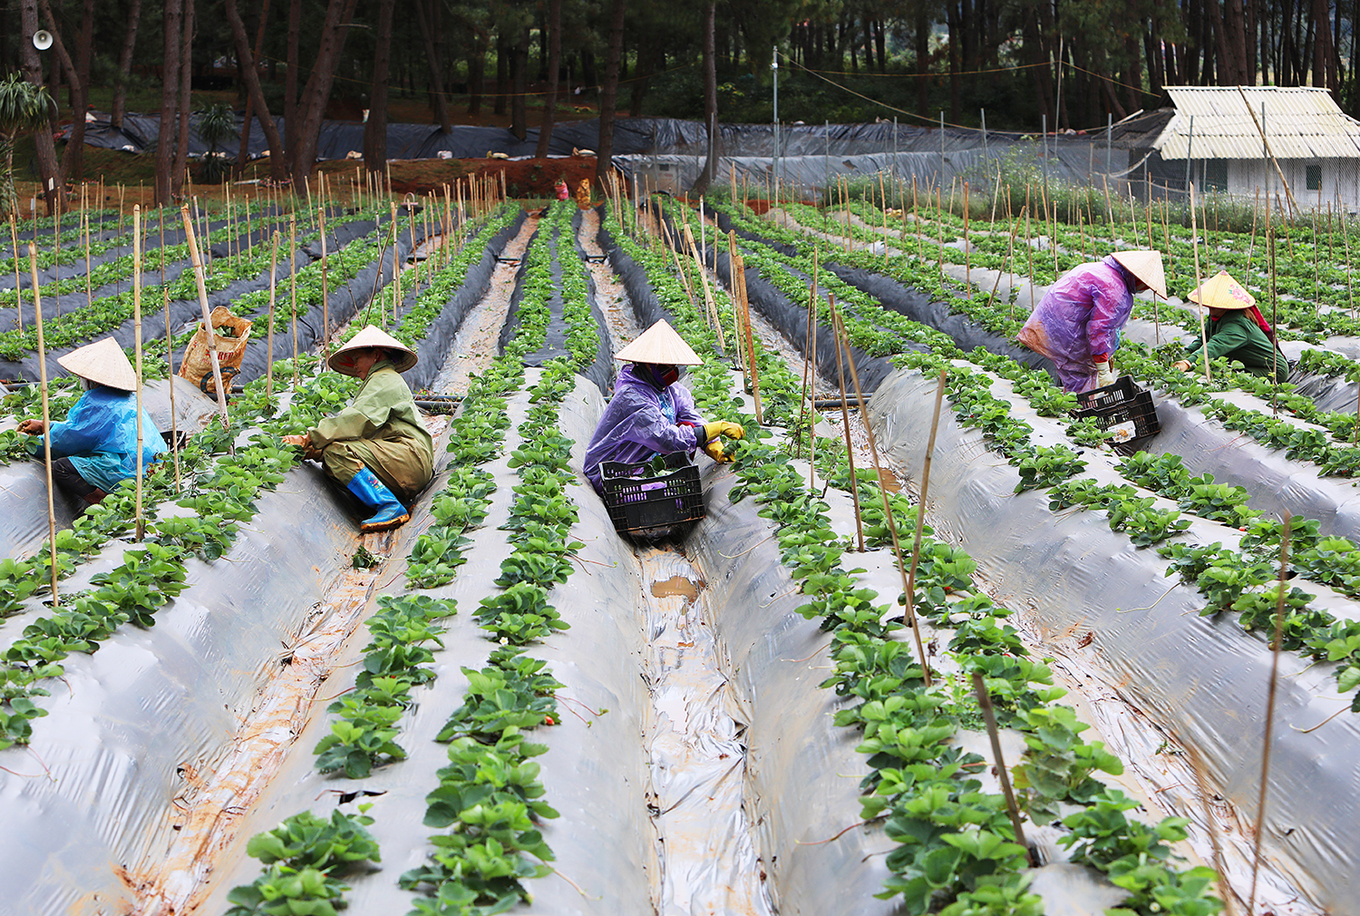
(23, 107)
(216, 123)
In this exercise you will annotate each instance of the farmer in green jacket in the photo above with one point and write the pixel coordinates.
(377, 447)
(1236, 330)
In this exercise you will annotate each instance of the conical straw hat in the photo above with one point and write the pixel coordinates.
(1222, 292)
(661, 345)
(102, 362)
(1146, 266)
(402, 356)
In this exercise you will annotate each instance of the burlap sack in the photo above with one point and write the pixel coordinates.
(228, 339)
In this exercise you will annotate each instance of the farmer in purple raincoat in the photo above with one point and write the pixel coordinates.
(1077, 323)
(649, 414)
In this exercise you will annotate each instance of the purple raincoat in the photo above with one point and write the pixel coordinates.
(641, 421)
(1080, 318)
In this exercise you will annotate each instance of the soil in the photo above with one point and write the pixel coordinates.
(129, 179)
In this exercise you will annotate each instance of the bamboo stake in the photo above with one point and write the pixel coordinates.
(939, 222)
(85, 222)
(269, 353)
(916, 217)
(925, 491)
(292, 285)
(849, 446)
(812, 431)
(18, 293)
(1350, 281)
(169, 354)
(325, 291)
(137, 349)
(207, 320)
(808, 355)
(750, 340)
(1287, 526)
(1199, 306)
(985, 704)
(47, 421)
(967, 249)
(887, 508)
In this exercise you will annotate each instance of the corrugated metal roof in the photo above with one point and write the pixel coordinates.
(1301, 123)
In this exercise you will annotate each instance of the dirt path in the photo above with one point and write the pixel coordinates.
(478, 340)
(610, 294)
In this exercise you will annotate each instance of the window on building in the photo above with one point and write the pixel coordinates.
(1313, 175)
(1216, 174)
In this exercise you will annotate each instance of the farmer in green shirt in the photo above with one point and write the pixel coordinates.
(1236, 330)
(377, 447)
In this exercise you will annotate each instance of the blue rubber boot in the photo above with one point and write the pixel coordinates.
(388, 512)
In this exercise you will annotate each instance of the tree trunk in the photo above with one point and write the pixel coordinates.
(42, 135)
(1324, 56)
(710, 168)
(519, 65)
(922, 34)
(375, 130)
(476, 79)
(71, 158)
(434, 54)
(291, 126)
(186, 111)
(278, 167)
(498, 106)
(125, 64)
(609, 92)
(245, 70)
(165, 150)
(312, 105)
(545, 128)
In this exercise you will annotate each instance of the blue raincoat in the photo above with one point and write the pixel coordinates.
(643, 419)
(99, 435)
(1079, 318)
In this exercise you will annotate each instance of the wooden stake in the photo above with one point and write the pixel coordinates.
(47, 420)
(269, 353)
(809, 357)
(137, 350)
(1194, 238)
(925, 491)
(169, 354)
(750, 340)
(18, 293)
(985, 704)
(967, 253)
(292, 285)
(325, 291)
(207, 319)
(910, 614)
(849, 446)
(1286, 528)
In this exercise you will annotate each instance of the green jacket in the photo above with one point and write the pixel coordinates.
(383, 410)
(1236, 337)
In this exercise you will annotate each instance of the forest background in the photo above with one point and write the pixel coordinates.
(526, 63)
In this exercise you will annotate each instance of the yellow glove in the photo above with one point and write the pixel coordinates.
(715, 451)
(723, 428)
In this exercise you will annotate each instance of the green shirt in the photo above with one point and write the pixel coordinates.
(383, 410)
(1236, 337)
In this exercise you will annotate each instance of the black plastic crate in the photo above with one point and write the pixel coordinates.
(638, 503)
(1122, 408)
(1123, 389)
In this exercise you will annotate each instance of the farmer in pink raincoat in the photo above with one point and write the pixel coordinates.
(1077, 323)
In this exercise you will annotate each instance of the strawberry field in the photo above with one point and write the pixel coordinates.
(504, 706)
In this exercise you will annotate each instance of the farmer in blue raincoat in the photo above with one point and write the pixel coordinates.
(1078, 321)
(650, 414)
(95, 448)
